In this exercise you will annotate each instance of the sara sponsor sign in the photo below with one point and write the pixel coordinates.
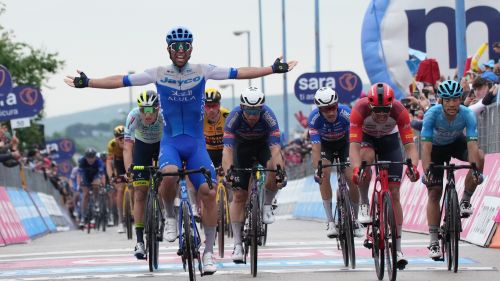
(347, 84)
(18, 102)
(391, 28)
(61, 148)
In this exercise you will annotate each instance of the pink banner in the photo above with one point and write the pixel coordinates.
(11, 229)
(497, 219)
(414, 196)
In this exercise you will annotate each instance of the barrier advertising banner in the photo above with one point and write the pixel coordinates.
(11, 229)
(43, 211)
(18, 102)
(30, 218)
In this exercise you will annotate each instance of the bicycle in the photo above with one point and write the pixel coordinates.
(345, 238)
(91, 212)
(101, 216)
(449, 231)
(223, 220)
(189, 237)
(253, 229)
(127, 206)
(154, 222)
(382, 238)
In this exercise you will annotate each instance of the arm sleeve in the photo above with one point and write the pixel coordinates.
(356, 127)
(404, 127)
(488, 99)
(470, 126)
(229, 128)
(274, 129)
(130, 125)
(140, 79)
(428, 125)
(313, 131)
(219, 73)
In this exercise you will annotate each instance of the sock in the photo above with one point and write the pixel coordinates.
(364, 196)
(209, 238)
(467, 195)
(169, 210)
(237, 232)
(269, 196)
(399, 228)
(139, 232)
(434, 231)
(327, 204)
(355, 208)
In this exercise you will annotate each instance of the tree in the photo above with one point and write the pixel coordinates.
(28, 66)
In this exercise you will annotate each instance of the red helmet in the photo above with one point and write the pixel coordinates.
(380, 94)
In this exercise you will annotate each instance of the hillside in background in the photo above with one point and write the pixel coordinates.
(109, 113)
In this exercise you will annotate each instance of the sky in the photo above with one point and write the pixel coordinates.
(111, 37)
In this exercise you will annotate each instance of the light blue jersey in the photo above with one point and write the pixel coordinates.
(438, 130)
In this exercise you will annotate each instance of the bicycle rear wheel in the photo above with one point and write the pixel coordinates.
(152, 224)
(377, 250)
(255, 224)
(188, 241)
(103, 211)
(348, 230)
(221, 221)
(390, 237)
(454, 231)
(128, 214)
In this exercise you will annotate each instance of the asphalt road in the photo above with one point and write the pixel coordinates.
(296, 250)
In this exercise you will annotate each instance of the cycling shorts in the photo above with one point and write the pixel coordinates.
(216, 156)
(143, 155)
(243, 154)
(387, 148)
(119, 167)
(174, 150)
(442, 154)
(335, 149)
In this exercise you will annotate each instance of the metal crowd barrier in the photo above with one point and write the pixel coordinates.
(488, 127)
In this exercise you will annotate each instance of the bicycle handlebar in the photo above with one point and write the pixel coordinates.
(279, 171)
(181, 172)
(385, 165)
(321, 166)
(452, 167)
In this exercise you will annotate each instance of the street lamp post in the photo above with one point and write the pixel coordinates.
(223, 86)
(238, 33)
(261, 43)
(130, 93)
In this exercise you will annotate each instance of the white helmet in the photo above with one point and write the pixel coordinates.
(325, 96)
(252, 97)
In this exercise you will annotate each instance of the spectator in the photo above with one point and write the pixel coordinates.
(496, 49)
(9, 155)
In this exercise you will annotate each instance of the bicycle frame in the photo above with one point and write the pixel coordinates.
(184, 198)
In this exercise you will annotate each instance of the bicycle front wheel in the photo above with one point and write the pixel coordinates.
(348, 230)
(255, 224)
(377, 249)
(152, 230)
(188, 241)
(390, 237)
(454, 231)
(221, 221)
(127, 210)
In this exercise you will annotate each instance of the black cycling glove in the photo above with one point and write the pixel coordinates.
(279, 67)
(82, 81)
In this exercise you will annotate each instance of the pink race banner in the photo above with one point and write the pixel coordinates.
(11, 229)
(414, 201)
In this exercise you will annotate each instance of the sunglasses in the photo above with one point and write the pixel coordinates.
(177, 46)
(381, 109)
(120, 138)
(329, 108)
(252, 110)
(212, 105)
(148, 109)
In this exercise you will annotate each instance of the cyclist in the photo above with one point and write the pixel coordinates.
(111, 194)
(115, 170)
(251, 131)
(375, 122)
(91, 175)
(443, 138)
(213, 125)
(143, 130)
(181, 89)
(329, 132)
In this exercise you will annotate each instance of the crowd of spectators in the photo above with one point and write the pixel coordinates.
(36, 160)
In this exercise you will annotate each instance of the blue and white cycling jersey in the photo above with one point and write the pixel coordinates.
(438, 130)
(321, 129)
(135, 129)
(182, 94)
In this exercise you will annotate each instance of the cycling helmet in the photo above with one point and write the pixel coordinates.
(179, 34)
(380, 94)
(147, 98)
(119, 131)
(90, 152)
(252, 97)
(450, 89)
(325, 96)
(212, 95)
